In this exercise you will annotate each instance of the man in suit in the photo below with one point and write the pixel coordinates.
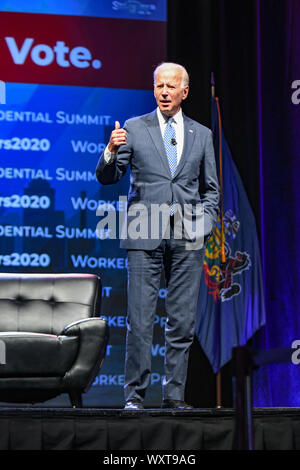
(172, 164)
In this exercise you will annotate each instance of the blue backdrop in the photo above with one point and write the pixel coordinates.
(51, 138)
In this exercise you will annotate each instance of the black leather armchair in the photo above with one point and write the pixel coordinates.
(52, 339)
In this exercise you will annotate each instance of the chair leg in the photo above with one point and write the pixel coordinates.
(75, 398)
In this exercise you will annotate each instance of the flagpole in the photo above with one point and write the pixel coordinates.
(222, 241)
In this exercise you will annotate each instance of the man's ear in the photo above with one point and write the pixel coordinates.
(185, 92)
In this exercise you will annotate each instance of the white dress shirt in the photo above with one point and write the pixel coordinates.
(163, 120)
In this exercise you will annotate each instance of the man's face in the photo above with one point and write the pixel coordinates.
(168, 90)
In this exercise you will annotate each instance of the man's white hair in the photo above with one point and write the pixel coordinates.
(171, 65)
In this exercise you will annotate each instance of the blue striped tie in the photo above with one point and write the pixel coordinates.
(171, 150)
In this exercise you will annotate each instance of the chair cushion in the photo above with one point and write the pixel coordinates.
(46, 303)
(27, 354)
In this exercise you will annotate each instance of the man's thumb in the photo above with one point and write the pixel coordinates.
(117, 125)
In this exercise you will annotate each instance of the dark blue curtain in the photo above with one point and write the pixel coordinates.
(279, 155)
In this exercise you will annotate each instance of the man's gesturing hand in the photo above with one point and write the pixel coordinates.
(117, 138)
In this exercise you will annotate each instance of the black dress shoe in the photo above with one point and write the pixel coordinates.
(176, 404)
(134, 404)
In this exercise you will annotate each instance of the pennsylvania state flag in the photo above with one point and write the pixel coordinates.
(231, 298)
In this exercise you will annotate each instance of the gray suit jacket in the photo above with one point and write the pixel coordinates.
(194, 182)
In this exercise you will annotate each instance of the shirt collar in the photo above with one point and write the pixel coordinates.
(164, 119)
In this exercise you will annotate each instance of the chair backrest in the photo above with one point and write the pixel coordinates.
(46, 303)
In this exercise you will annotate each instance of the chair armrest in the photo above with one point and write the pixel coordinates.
(93, 336)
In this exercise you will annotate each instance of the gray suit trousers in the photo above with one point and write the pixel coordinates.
(182, 269)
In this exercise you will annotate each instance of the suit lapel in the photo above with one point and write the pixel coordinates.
(189, 137)
(154, 130)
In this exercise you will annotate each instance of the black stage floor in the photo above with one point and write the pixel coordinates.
(100, 429)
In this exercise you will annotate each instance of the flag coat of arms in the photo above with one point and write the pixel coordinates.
(231, 297)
